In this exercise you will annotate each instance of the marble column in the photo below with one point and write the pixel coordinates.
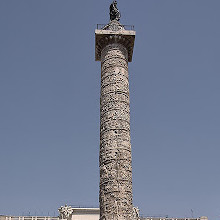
(114, 48)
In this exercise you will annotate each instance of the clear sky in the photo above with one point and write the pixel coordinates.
(49, 114)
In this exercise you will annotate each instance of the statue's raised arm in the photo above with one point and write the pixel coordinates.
(114, 12)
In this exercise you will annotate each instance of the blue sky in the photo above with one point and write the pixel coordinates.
(49, 115)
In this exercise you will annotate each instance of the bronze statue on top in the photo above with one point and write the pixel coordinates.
(114, 12)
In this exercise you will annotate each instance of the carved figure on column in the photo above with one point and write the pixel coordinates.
(136, 213)
(114, 12)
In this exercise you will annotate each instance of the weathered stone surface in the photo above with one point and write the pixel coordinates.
(65, 212)
(114, 33)
(115, 148)
(114, 48)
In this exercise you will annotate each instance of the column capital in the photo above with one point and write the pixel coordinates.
(114, 33)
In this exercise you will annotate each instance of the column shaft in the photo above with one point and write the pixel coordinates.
(115, 148)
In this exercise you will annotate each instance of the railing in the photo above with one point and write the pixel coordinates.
(31, 218)
(152, 218)
(126, 27)
(83, 207)
(57, 218)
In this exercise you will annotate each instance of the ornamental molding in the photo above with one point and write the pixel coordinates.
(65, 212)
(108, 36)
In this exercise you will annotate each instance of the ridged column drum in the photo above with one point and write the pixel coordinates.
(115, 147)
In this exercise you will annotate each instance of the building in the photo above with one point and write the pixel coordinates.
(88, 214)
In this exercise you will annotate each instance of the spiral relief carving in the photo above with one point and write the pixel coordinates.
(115, 147)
